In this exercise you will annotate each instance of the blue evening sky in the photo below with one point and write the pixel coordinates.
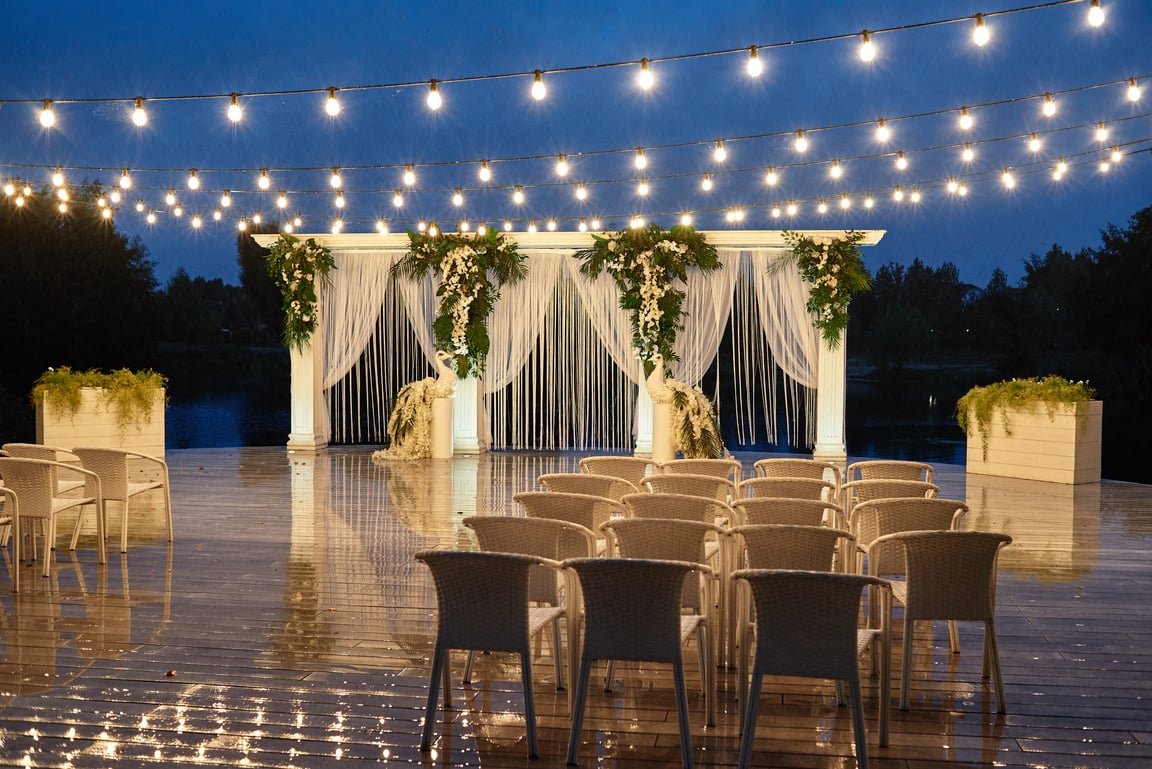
(115, 51)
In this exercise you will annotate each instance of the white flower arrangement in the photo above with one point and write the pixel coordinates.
(297, 267)
(835, 272)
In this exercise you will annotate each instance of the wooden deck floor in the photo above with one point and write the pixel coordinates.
(288, 626)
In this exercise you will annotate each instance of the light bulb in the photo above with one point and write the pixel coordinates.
(1049, 106)
(139, 116)
(256, 218)
(581, 193)
(1133, 90)
(193, 180)
(297, 221)
(915, 196)
(776, 212)
(836, 171)
(1095, 14)
(1101, 132)
(636, 223)
(485, 172)
(898, 194)
(883, 133)
(980, 33)
(19, 201)
(114, 196)
(434, 100)
(288, 227)
(1116, 156)
(281, 200)
(1061, 166)
(551, 225)
(518, 195)
(340, 202)
(532, 226)
(338, 226)
(867, 49)
(640, 162)
(868, 201)
(226, 199)
(755, 67)
(719, 154)
(962, 190)
(738, 215)
(822, 207)
(457, 198)
(561, 166)
(507, 226)
(801, 144)
(968, 154)
(686, 219)
(332, 106)
(217, 215)
(125, 179)
(335, 181)
(196, 221)
(101, 203)
(1034, 143)
(235, 113)
(264, 182)
(9, 189)
(1104, 166)
(596, 224)
(583, 226)
(845, 202)
(539, 90)
(965, 119)
(170, 198)
(57, 178)
(62, 193)
(771, 178)
(409, 175)
(140, 206)
(645, 79)
(47, 116)
(463, 225)
(398, 200)
(952, 185)
(642, 188)
(792, 209)
(151, 218)
(381, 227)
(901, 161)
(1008, 179)
(706, 183)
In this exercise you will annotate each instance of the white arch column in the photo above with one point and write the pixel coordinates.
(309, 417)
(831, 403)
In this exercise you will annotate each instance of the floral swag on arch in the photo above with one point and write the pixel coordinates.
(297, 268)
(834, 272)
(644, 263)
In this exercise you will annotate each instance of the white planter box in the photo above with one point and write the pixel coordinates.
(97, 424)
(1061, 448)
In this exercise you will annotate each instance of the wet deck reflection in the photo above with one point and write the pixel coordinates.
(289, 626)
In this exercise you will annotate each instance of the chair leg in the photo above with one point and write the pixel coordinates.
(446, 679)
(953, 636)
(581, 687)
(529, 703)
(858, 723)
(76, 528)
(609, 675)
(124, 528)
(471, 658)
(49, 536)
(906, 663)
(682, 713)
(707, 673)
(168, 507)
(557, 654)
(993, 651)
(438, 660)
(748, 723)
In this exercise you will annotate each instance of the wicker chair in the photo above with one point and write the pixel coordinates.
(632, 612)
(951, 575)
(796, 488)
(806, 625)
(722, 468)
(587, 483)
(117, 470)
(49, 454)
(890, 470)
(855, 492)
(482, 604)
(34, 483)
(584, 510)
(693, 485)
(788, 510)
(778, 546)
(631, 469)
(795, 467)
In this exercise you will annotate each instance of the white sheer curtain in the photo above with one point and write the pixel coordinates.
(601, 301)
(420, 302)
(707, 308)
(781, 298)
(351, 306)
(517, 320)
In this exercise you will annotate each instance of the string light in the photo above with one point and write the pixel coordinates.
(640, 162)
(62, 193)
(968, 155)
(332, 106)
(539, 90)
(457, 198)
(193, 180)
(281, 200)
(883, 133)
(1104, 166)
(821, 207)
(776, 212)
(1116, 156)
(335, 181)
(196, 221)
(532, 226)
(645, 79)
(792, 208)
(636, 222)
(1034, 143)
(1095, 14)
(507, 226)
(140, 206)
(1049, 105)
(264, 182)
(398, 200)
(706, 182)
(868, 201)
(463, 225)
(1058, 171)
(719, 154)
(1008, 179)
(801, 144)
(962, 190)
(297, 221)
(561, 166)
(952, 185)
(581, 193)
(125, 179)
(434, 101)
(771, 178)
(139, 116)
(217, 215)
(898, 194)
(1133, 90)
(551, 225)
(980, 32)
(845, 202)
(288, 227)
(642, 188)
(170, 198)
(409, 175)
(151, 218)
(835, 171)
(966, 121)
(755, 67)
(518, 195)
(583, 226)
(867, 49)
(47, 116)
(901, 161)
(1101, 132)
(235, 112)
(485, 173)
(226, 199)
(915, 196)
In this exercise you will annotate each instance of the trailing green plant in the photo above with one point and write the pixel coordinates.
(834, 271)
(298, 268)
(128, 394)
(982, 403)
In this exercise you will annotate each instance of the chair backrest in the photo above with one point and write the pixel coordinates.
(482, 599)
(798, 488)
(631, 469)
(797, 467)
(775, 546)
(691, 484)
(855, 492)
(875, 518)
(721, 468)
(683, 506)
(33, 481)
(112, 467)
(539, 537)
(890, 470)
(631, 607)
(587, 510)
(661, 539)
(785, 510)
(806, 621)
(41, 452)
(588, 483)
(951, 574)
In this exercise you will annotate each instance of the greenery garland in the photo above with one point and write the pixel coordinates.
(297, 267)
(644, 262)
(130, 394)
(835, 272)
(982, 402)
(472, 269)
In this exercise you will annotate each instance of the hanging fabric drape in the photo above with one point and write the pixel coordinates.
(601, 301)
(517, 319)
(707, 307)
(352, 305)
(781, 298)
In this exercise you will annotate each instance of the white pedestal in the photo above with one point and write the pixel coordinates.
(662, 450)
(465, 417)
(442, 438)
(309, 416)
(643, 419)
(831, 400)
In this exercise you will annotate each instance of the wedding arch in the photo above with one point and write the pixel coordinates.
(561, 372)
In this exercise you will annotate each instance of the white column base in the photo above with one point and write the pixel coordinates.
(465, 417)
